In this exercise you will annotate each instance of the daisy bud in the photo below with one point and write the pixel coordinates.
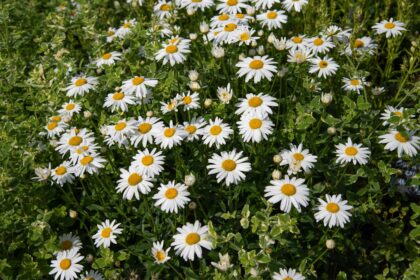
(72, 214)
(254, 44)
(260, 33)
(193, 75)
(104, 130)
(208, 102)
(66, 119)
(253, 272)
(190, 11)
(83, 176)
(282, 72)
(277, 158)
(189, 180)
(193, 36)
(412, 49)
(271, 38)
(276, 174)
(53, 143)
(117, 89)
(377, 90)
(117, 5)
(149, 114)
(117, 263)
(330, 243)
(414, 43)
(87, 114)
(242, 56)
(204, 27)
(331, 130)
(192, 205)
(89, 258)
(218, 52)
(250, 10)
(194, 86)
(99, 71)
(326, 98)
(252, 52)
(260, 50)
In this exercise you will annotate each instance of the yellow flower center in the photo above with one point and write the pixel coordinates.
(333, 207)
(160, 255)
(137, 80)
(318, 42)
(215, 130)
(171, 49)
(107, 56)
(389, 25)
(400, 138)
(86, 160)
(358, 44)
(127, 25)
(297, 40)
(191, 129)
(323, 64)
(80, 82)
(244, 36)
(134, 179)
(165, 7)
(61, 170)
(120, 126)
(70, 106)
(66, 245)
(90, 278)
(288, 189)
(351, 151)
(192, 238)
(223, 17)
(118, 95)
(169, 132)
(255, 123)
(398, 114)
(75, 141)
(56, 118)
(110, 33)
(65, 264)
(171, 193)
(287, 278)
(229, 165)
(187, 100)
(144, 128)
(239, 15)
(256, 64)
(255, 101)
(298, 156)
(52, 125)
(197, 1)
(230, 27)
(147, 160)
(271, 15)
(106, 232)
(354, 82)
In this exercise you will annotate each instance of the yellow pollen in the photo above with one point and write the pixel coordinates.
(244, 36)
(134, 179)
(106, 232)
(171, 193)
(297, 40)
(147, 160)
(118, 96)
(318, 42)
(107, 56)
(223, 17)
(389, 25)
(323, 64)
(271, 15)
(215, 130)
(351, 151)
(187, 100)
(354, 82)
(137, 80)
(75, 141)
(80, 82)
(358, 44)
(240, 15)
(288, 189)
(255, 101)
(333, 207)
(165, 7)
(65, 264)
(196, 1)
(55, 118)
(171, 49)
(66, 245)
(86, 160)
(52, 125)
(398, 114)
(169, 132)
(230, 27)
(120, 126)
(70, 106)
(127, 25)
(192, 238)
(298, 156)
(160, 255)
(400, 138)
(255, 123)
(144, 128)
(191, 129)
(256, 64)
(229, 165)
(288, 277)
(61, 170)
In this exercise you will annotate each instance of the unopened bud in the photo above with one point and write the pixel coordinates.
(331, 130)
(330, 244)
(208, 102)
(276, 174)
(72, 214)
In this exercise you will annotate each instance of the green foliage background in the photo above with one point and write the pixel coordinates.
(381, 242)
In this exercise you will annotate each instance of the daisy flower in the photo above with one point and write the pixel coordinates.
(93, 275)
(190, 101)
(194, 128)
(320, 45)
(216, 133)
(255, 127)
(146, 129)
(63, 173)
(69, 241)
(111, 34)
(256, 104)
(69, 109)
(245, 36)
(119, 101)
(107, 233)
(362, 45)
(272, 19)
(55, 128)
(220, 20)
(394, 140)
(334, 211)
(354, 84)
(196, 4)
(108, 59)
(149, 163)
(297, 42)
(159, 254)
(296, 5)
(42, 173)
(169, 136)
(90, 164)
(352, 152)
(288, 274)
(324, 66)
(229, 166)
(229, 33)
(138, 86)
(170, 106)
(231, 6)
(66, 265)
(171, 197)
(264, 4)
(297, 158)
(125, 29)
(289, 192)
(225, 94)
(391, 27)
(257, 68)
(81, 85)
(190, 240)
(120, 132)
(132, 183)
(83, 151)
(163, 9)
(298, 55)
(173, 53)
(74, 139)
(392, 112)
